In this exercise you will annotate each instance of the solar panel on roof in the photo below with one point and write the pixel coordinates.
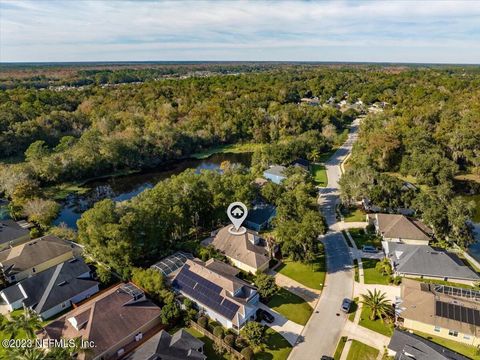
(205, 292)
(458, 313)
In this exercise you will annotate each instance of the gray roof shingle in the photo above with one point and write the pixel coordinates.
(427, 261)
(403, 342)
(10, 231)
(55, 285)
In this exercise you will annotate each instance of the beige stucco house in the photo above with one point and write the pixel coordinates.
(400, 228)
(443, 311)
(245, 250)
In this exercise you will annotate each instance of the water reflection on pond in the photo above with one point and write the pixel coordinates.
(126, 187)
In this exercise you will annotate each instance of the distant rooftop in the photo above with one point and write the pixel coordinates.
(277, 170)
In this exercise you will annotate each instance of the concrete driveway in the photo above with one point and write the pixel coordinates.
(287, 328)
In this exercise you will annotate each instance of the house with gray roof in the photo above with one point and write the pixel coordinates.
(260, 216)
(217, 291)
(179, 346)
(407, 346)
(13, 233)
(427, 262)
(53, 290)
(276, 173)
(24, 260)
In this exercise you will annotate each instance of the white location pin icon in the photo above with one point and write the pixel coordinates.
(237, 212)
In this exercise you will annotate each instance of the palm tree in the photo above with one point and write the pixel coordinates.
(314, 155)
(33, 353)
(384, 266)
(378, 304)
(28, 321)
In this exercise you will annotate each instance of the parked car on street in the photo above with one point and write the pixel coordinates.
(265, 315)
(369, 249)
(346, 303)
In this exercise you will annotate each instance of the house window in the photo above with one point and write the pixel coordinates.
(63, 306)
(466, 337)
(437, 329)
(453, 333)
(33, 270)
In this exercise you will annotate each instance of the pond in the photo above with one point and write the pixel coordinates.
(125, 187)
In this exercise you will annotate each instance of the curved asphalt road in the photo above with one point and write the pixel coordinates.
(323, 330)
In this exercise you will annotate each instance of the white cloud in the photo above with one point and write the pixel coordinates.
(214, 30)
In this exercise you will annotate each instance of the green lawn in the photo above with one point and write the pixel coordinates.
(230, 148)
(311, 275)
(353, 309)
(208, 347)
(362, 238)
(353, 215)
(276, 347)
(340, 346)
(361, 351)
(319, 174)
(377, 325)
(291, 306)
(464, 349)
(371, 275)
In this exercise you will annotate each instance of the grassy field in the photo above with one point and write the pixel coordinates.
(319, 174)
(362, 238)
(353, 215)
(340, 346)
(377, 325)
(464, 349)
(276, 347)
(361, 351)
(208, 347)
(371, 275)
(353, 309)
(230, 148)
(311, 275)
(409, 178)
(291, 306)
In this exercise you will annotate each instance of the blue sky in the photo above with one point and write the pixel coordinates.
(390, 31)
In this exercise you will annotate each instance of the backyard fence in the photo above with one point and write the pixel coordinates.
(217, 340)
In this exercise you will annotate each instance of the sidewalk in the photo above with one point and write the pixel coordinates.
(366, 336)
(309, 295)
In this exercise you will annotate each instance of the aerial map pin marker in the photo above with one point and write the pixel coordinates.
(237, 213)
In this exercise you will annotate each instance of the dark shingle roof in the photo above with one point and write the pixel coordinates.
(62, 282)
(51, 287)
(10, 230)
(261, 214)
(179, 346)
(301, 162)
(113, 316)
(13, 293)
(403, 342)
